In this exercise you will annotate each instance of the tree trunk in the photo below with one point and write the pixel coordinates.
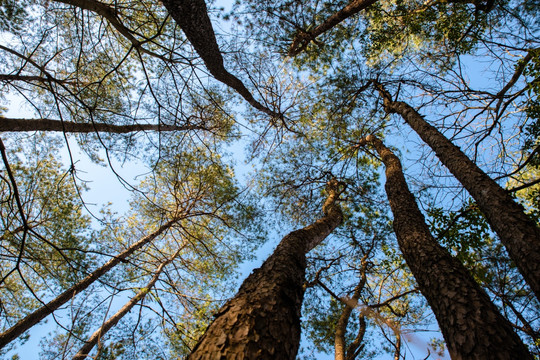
(302, 39)
(113, 320)
(39, 314)
(19, 125)
(262, 321)
(470, 323)
(517, 231)
(192, 17)
(341, 352)
(357, 345)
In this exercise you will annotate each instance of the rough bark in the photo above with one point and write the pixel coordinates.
(471, 325)
(302, 39)
(19, 125)
(32, 319)
(517, 231)
(192, 17)
(262, 321)
(113, 320)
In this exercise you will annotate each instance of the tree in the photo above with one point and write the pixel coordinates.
(263, 319)
(463, 309)
(516, 230)
(171, 88)
(31, 319)
(42, 226)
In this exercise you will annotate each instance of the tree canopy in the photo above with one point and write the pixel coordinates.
(393, 144)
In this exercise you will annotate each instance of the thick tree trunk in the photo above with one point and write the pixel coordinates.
(32, 319)
(517, 231)
(471, 324)
(262, 321)
(192, 17)
(19, 125)
(113, 320)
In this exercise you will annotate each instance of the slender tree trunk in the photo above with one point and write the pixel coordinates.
(18, 125)
(471, 324)
(192, 17)
(113, 320)
(341, 352)
(32, 319)
(356, 346)
(517, 231)
(397, 351)
(302, 39)
(262, 321)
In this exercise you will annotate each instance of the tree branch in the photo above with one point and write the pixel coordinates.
(20, 125)
(111, 15)
(113, 320)
(302, 39)
(192, 17)
(39, 314)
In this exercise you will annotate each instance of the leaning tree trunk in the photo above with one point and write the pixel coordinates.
(517, 231)
(41, 313)
(471, 325)
(113, 320)
(192, 17)
(262, 321)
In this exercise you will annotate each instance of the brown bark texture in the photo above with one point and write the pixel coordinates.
(517, 231)
(192, 17)
(20, 125)
(32, 319)
(262, 321)
(471, 324)
(302, 39)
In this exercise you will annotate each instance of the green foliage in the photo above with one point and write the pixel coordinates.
(54, 254)
(136, 67)
(461, 231)
(466, 234)
(439, 28)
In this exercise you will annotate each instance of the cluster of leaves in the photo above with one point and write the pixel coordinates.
(396, 29)
(463, 232)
